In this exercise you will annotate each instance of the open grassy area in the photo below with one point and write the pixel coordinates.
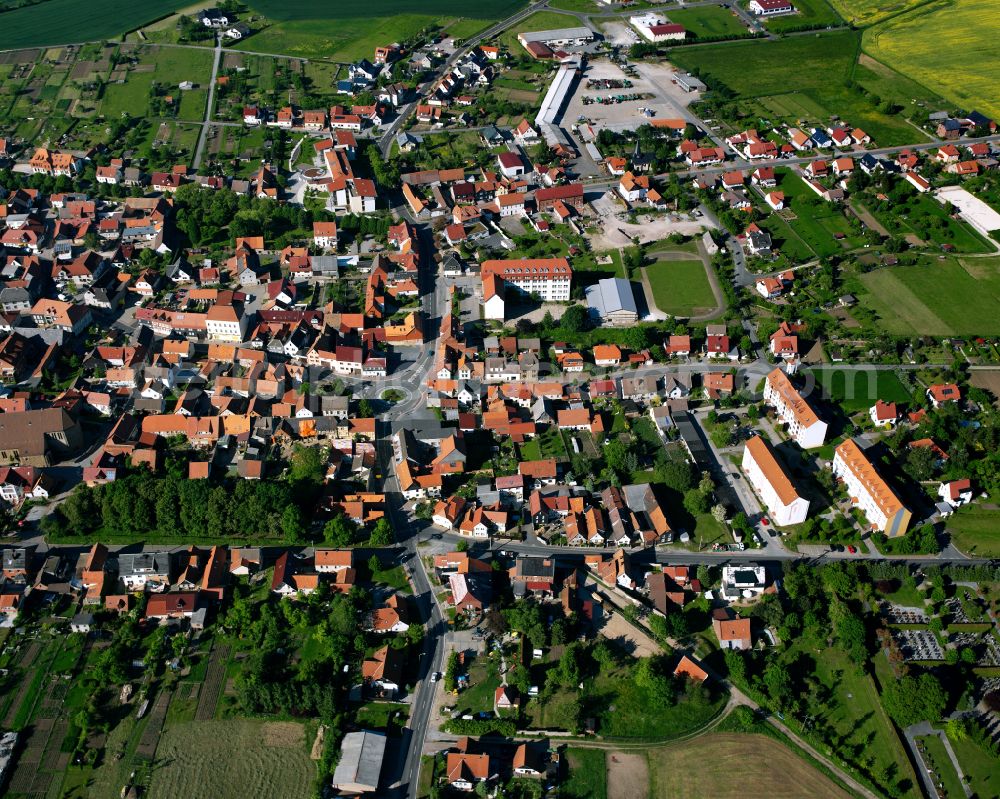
(708, 21)
(170, 66)
(588, 774)
(848, 708)
(940, 297)
(680, 288)
(975, 530)
(765, 768)
(233, 758)
(949, 37)
(856, 391)
(979, 766)
(349, 30)
(807, 71)
(861, 13)
(65, 21)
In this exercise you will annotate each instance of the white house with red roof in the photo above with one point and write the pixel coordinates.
(883, 414)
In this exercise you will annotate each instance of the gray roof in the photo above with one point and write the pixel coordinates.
(611, 295)
(557, 34)
(361, 755)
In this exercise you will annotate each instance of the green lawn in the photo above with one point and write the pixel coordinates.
(936, 758)
(979, 766)
(938, 297)
(680, 288)
(856, 391)
(530, 450)
(975, 530)
(708, 21)
(812, 67)
(588, 774)
(394, 578)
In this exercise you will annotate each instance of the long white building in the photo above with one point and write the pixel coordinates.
(772, 484)
(868, 491)
(808, 430)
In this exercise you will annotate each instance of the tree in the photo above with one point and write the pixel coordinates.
(365, 410)
(910, 699)
(574, 319)
(778, 682)
(719, 513)
(676, 474)
(695, 502)
(381, 534)
(293, 525)
(340, 531)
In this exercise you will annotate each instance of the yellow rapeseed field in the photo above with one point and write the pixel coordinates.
(868, 12)
(949, 46)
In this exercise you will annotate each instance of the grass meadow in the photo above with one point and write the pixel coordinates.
(938, 297)
(680, 288)
(708, 21)
(766, 768)
(858, 390)
(796, 78)
(956, 38)
(234, 758)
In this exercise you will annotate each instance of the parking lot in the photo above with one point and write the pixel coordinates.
(654, 82)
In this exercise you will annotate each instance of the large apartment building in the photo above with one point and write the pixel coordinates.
(868, 491)
(808, 430)
(549, 278)
(772, 484)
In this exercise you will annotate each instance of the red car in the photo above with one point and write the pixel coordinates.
(852, 549)
(764, 521)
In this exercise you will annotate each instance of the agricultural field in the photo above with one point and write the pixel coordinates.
(679, 772)
(65, 21)
(811, 13)
(949, 37)
(759, 74)
(862, 13)
(680, 287)
(346, 31)
(709, 21)
(940, 297)
(197, 759)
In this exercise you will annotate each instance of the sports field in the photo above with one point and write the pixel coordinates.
(796, 78)
(351, 29)
(938, 297)
(957, 38)
(233, 758)
(765, 768)
(70, 21)
(708, 21)
(680, 288)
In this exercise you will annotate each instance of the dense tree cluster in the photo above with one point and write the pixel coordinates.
(142, 505)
